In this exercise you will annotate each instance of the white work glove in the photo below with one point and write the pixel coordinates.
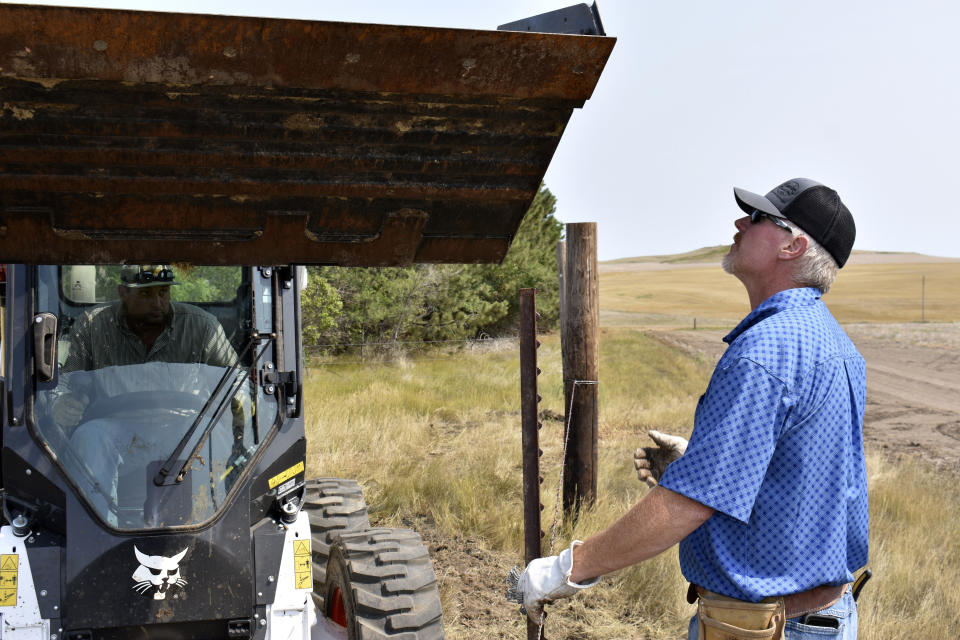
(68, 409)
(651, 462)
(546, 580)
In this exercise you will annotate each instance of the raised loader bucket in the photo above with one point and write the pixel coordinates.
(140, 136)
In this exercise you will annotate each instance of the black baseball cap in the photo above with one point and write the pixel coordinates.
(813, 207)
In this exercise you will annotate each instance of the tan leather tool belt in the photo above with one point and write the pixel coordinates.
(723, 618)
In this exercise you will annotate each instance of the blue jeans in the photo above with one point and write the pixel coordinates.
(845, 611)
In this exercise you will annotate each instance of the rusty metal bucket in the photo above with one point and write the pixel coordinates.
(129, 135)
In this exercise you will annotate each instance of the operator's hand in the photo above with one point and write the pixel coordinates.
(651, 462)
(547, 580)
(68, 409)
(242, 407)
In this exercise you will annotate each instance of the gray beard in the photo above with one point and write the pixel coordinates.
(729, 264)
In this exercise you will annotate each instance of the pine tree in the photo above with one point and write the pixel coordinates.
(438, 302)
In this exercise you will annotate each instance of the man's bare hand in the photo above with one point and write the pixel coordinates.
(651, 462)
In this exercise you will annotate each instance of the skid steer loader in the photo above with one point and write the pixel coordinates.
(154, 486)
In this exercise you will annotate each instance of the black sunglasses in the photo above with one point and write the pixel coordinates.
(756, 216)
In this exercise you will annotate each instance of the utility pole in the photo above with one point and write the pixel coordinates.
(581, 365)
(562, 301)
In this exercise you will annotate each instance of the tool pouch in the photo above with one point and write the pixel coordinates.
(722, 618)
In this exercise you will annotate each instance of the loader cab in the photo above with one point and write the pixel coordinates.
(144, 467)
(113, 409)
(150, 429)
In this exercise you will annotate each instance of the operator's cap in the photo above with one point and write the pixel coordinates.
(813, 207)
(138, 276)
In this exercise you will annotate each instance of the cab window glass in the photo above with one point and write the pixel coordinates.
(157, 408)
(86, 284)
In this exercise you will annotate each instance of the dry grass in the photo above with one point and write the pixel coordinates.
(914, 552)
(672, 297)
(862, 293)
(891, 293)
(436, 441)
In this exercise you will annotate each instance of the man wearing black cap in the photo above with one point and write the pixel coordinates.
(769, 499)
(145, 326)
(142, 326)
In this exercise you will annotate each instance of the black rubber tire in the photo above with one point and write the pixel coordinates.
(334, 506)
(388, 586)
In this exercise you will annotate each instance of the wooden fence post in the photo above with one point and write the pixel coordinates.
(581, 365)
(561, 273)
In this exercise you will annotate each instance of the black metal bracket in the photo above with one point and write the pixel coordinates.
(285, 275)
(579, 19)
(273, 381)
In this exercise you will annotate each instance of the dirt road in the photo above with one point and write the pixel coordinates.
(913, 384)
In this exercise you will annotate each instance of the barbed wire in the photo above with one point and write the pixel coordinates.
(397, 342)
(381, 352)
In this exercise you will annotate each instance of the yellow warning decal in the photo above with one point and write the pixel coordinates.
(8, 579)
(302, 577)
(286, 475)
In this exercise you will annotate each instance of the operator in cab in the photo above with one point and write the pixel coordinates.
(141, 374)
(143, 325)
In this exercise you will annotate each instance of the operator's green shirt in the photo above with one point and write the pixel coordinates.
(100, 338)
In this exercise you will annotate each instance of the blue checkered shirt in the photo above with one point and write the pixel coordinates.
(777, 451)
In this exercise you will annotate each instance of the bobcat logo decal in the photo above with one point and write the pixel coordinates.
(159, 572)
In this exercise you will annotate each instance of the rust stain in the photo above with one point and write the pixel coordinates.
(303, 122)
(18, 113)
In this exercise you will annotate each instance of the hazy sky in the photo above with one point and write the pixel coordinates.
(703, 95)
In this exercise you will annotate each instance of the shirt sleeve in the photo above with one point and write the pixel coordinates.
(218, 351)
(78, 355)
(737, 424)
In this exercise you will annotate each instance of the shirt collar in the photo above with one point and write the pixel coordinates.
(776, 303)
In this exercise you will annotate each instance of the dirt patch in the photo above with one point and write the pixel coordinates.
(913, 375)
(913, 400)
(472, 581)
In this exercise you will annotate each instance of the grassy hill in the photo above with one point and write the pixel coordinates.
(716, 253)
(647, 291)
(704, 254)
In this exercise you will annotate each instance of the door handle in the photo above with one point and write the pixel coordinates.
(44, 346)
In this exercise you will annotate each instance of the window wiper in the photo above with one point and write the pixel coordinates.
(163, 475)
